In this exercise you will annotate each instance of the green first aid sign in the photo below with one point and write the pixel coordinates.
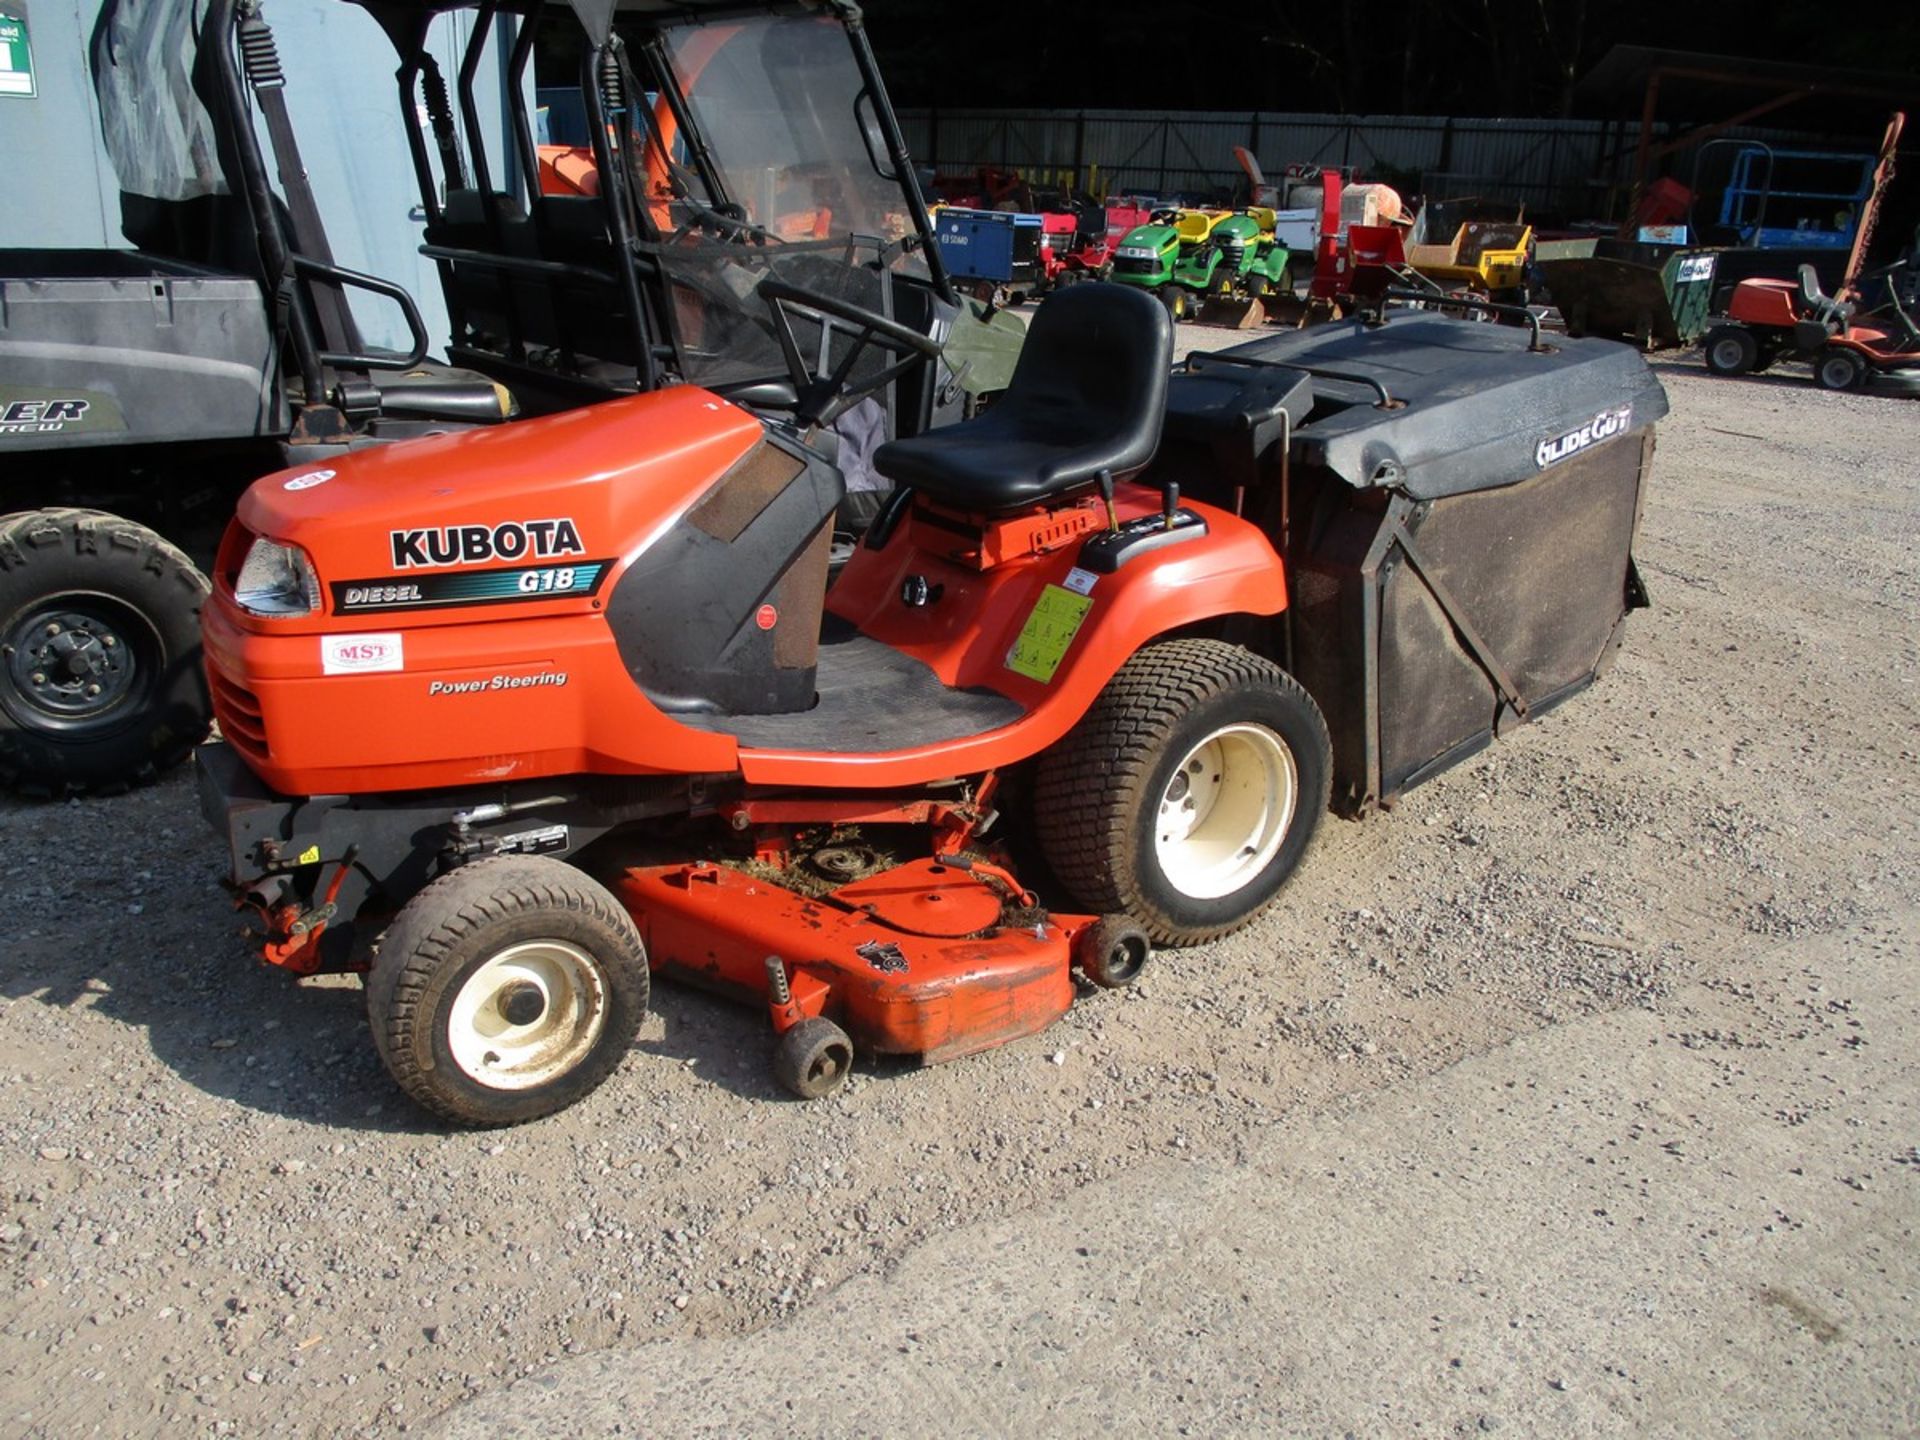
(16, 57)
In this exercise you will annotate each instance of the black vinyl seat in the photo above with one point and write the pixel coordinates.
(1089, 394)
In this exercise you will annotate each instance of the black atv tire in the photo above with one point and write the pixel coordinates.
(1256, 286)
(101, 683)
(1731, 350)
(465, 951)
(1171, 715)
(1174, 297)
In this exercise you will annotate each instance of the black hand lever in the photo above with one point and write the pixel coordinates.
(1170, 501)
(1105, 482)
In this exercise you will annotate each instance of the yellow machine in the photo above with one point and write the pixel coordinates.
(1488, 256)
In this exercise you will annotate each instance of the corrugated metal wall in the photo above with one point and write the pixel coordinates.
(1556, 165)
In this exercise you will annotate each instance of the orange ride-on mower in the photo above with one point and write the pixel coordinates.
(514, 719)
(1770, 321)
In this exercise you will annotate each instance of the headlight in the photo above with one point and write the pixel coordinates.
(277, 579)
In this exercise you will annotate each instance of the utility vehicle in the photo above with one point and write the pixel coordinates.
(157, 382)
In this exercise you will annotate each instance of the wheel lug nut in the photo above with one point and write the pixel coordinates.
(53, 629)
(108, 641)
(39, 677)
(92, 690)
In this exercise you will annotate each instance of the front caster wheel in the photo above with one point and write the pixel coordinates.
(506, 990)
(1188, 791)
(813, 1059)
(1113, 952)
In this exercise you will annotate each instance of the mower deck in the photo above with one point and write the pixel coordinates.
(911, 961)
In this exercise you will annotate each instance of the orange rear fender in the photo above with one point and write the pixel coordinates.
(1043, 632)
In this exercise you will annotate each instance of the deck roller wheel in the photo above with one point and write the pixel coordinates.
(506, 990)
(1112, 952)
(813, 1059)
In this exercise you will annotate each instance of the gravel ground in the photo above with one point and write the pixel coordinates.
(219, 1217)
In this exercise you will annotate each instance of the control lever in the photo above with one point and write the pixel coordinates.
(1105, 482)
(1170, 502)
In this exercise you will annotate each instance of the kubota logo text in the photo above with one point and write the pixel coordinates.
(473, 544)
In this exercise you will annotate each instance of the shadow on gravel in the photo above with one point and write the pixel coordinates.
(141, 935)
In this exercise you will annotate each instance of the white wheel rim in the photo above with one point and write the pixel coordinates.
(492, 1050)
(1836, 373)
(1225, 811)
(1727, 354)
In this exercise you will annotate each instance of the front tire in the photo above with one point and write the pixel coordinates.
(1188, 792)
(1837, 369)
(1174, 297)
(507, 989)
(101, 684)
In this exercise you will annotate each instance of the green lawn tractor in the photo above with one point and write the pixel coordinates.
(1245, 265)
(1170, 257)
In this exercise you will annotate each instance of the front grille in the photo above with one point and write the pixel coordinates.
(241, 723)
(1129, 265)
(1232, 255)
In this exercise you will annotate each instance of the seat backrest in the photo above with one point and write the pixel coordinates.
(1094, 367)
(1810, 292)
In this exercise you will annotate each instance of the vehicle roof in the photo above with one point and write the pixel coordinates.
(597, 16)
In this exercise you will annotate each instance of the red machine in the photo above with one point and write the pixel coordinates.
(548, 708)
(1093, 252)
(1769, 321)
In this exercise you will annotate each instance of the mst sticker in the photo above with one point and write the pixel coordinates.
(1604, 426)
(1050, 628)
(476, 544)
(360, 654)
(1081, 582)
(482, 587)
(308, 480)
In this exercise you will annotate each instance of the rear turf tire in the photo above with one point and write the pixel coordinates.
(507, 989)
(1731, 350)
(1188, 792)
(101, 683)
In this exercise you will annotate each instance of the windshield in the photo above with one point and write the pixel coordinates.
(789, 132)
(762, 155)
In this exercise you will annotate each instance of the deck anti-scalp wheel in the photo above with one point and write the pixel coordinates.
(1188, 792)
(813, 1059)
(1112, 952)
(506, 990)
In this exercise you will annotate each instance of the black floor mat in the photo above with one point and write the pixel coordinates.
(872, 699)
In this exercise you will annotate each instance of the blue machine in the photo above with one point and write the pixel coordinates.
(990, 247)
(1795, 199)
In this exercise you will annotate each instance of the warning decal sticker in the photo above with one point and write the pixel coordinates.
(1049, 630)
